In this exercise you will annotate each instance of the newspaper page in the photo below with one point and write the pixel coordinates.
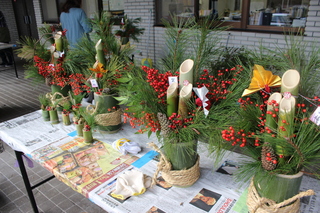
(82, 166)
(209, 194)
(30, 132)
(93, 170)
(215, 191)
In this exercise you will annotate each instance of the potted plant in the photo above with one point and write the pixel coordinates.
(48, 61)
(66, 110)
(182, 104)
(274, 129)
(45, 102)
(88, 124)
(129, 29)
(53, 112)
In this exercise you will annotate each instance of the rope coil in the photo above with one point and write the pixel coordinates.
(257, 204)
(186, 177)
(105, 119)
(58, 101)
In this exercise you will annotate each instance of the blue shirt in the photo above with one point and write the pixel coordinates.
(76, 23)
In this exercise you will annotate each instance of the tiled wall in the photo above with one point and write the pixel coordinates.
(139, 8)
(7, 10)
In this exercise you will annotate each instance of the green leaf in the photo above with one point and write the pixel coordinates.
(123, 80)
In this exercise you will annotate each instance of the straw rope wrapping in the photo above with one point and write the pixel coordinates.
(185, 177)
(58, 101)
(105, 119)
(257, 204)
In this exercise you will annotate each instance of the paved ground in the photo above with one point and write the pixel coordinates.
(18, 97)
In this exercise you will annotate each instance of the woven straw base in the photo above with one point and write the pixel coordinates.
(183, 178)
(257, 204)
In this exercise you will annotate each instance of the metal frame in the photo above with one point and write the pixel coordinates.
(26, 181)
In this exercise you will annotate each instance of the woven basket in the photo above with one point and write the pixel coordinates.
(257, 204)
(181, 178)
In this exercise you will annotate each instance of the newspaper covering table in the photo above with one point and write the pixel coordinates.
(92, 170)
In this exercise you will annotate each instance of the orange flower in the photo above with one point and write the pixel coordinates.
(98, 68)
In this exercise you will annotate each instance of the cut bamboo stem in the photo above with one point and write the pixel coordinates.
(186, 73)
(271, 122)
(184, 97)
(286, 120)
(58, 41)
(172, 99)
(290, 82)
(100, 55)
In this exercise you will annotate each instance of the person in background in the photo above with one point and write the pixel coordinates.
(75, 21)
(5, 55)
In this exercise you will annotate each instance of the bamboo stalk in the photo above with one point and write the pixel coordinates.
(58, 41)
(286, 113)
(172, 99)
(271, 122)
(185, 95)
(186, 73)
(100, 54)
(285, 121)
(290, 82)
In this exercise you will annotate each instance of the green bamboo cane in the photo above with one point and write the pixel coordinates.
(184, 97)
(172, 99)
(186, 72)
(271, 122)
(58, 41)
(100, 54)
(286, 121)
(290, 82)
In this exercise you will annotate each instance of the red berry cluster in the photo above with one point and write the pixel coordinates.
(86, 128)
(177, 122)
(218, 86)
(76, 82)
(76, 107)
(239, 137)
(147, 120)
(159, 81)
(42, 66)
(65, 112)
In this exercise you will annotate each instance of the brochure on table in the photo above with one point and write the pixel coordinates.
(92, 170)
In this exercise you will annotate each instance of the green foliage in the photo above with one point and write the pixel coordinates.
(137, 94)
(130, 29)
(44, 101)
(178, 38)
(296, 53)
(200, 42)
(81, 57)
(89, 118)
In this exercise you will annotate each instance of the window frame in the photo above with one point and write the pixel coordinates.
(242, 25)
(56, 20)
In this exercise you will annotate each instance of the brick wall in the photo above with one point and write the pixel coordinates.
(7, 10)
(139, 8)
(143, 9)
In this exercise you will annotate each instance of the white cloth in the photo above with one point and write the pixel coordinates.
(131, 183)
(124, 146)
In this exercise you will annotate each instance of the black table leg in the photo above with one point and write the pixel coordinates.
(14, 62)
(26, 181)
